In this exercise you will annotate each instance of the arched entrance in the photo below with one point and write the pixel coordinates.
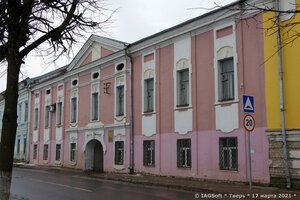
(94, 156)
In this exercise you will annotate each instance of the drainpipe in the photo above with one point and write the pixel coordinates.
(131, 149)
(27, 153)
(282, 109)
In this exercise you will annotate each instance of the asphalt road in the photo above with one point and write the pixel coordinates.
(43, 184)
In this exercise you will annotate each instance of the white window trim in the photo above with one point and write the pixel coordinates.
(219, 44)
(177, 68)
(120, 139)
(74, 93)
(95, 88)
(148, 72)
(60, 99)
(119, 75)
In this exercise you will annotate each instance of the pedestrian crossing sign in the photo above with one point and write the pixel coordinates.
(248, 104)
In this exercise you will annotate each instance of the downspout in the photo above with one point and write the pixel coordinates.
(131, 138)
(28, 122)
(282, 109)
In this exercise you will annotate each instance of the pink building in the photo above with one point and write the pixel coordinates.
(169, 104)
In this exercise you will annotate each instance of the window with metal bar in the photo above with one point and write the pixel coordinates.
(45, 153)
(57, 152)
(119, 152)
(149, 153)
(228, 148)
(184, 157)
(72, 152)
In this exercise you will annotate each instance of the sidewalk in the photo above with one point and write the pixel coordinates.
(202, 188)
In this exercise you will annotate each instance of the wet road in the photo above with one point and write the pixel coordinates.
(41, 184)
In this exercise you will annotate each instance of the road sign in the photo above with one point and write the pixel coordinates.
(249, 123)
(248, 104)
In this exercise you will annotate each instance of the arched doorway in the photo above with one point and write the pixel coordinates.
(94, 156)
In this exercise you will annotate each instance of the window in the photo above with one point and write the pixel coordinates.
(74, 110)
(36, 118)
(74, 82)
(48, 92)
(59, 114)
(19, 113)
(149, 153)
(226, 79)
(119, 153)
(18, 146)
(184, 159)
(34, 151)
(95, 106)
(95, 75)
(120, 100)
(45, 153)
(183, 88)
(57, 152)
(47, 116)
(24, 145)
(228, 153)
(26, 112)
(73, 152)
(148, 95)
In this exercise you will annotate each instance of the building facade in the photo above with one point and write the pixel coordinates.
(169, 104)
(282, 103)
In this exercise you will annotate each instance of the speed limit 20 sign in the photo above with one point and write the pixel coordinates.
(249, 122)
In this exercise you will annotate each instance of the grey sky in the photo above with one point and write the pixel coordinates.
(134, 20)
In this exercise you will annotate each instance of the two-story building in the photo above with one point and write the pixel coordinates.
(169, 104)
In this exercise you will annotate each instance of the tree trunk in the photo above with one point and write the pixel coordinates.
(9, 128)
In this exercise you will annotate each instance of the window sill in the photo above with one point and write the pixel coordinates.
(72, 163)
(229, 170)
(148, 113)
(152, 166)
(225, 103)
(58, 125)
(183, 107)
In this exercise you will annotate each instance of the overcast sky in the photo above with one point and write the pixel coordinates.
(134, 20)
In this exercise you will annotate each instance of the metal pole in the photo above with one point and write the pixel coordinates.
(249, 161)
(281, 93)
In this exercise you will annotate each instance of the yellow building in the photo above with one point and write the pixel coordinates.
(282, 75)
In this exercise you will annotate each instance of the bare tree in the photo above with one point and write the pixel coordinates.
(50, 26)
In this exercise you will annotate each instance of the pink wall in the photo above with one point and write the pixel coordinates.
(84, 102)
(105, 52)
(137, 94)
(87, 60)
(250, 47)
(205, 157)
(165, 89)
(107, 100)
(203, 81)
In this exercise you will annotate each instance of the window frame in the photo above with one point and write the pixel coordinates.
(228, 162)
(35, 150)
(120, 100)
(149, 153)
(47, 116)
(95, 106)
(149, 99)
(57, 152)
(59, 112)
(119, 152)
(74, 108)
(226, 88)
(36, 118)
(73, 151)
(183, 94)
(184, 153)
(46, 152)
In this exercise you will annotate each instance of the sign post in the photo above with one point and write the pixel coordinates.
(249, 125)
